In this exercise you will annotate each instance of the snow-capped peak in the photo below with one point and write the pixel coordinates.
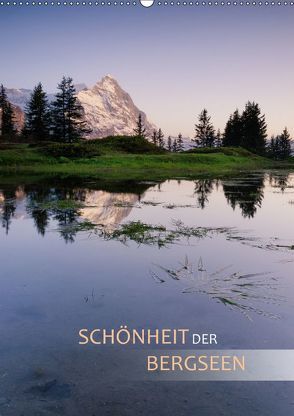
(108, 109)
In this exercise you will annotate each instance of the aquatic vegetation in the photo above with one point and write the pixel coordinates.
(277, 246)
(173, 206)
(66, 205)
(151, 203)
(140, 232)
(273, 243)
(159, 235)
(121, 204)
(245, 292)
(92, 297)
(80, 226)
(60, 204)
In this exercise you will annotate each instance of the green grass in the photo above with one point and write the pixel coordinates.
(125, 144)
(118, 160)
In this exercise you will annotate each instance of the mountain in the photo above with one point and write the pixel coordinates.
(18, 116)
(108, 109)
(20, 97)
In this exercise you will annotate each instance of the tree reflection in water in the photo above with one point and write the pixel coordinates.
(247, 194)
(203, 188)
(68, 202)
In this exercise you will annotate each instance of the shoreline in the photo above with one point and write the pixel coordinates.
(112, 163)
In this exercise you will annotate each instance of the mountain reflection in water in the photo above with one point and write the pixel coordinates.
(110, 204)
(228, 257)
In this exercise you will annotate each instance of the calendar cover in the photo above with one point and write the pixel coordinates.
(146, 208)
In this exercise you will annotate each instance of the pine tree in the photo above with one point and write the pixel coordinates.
(204, 131)
(7, 119)
(160, 139)
(169, 144)
(154, 137)
(233, 130)
(180, 145)
(273, 148)
(3, 96)
(7, 123)
(67, 114)
(37, 115)
(280, 146)
(175, 146)
(218, 139)
(285, 144)
(140, 129)
(253, 128)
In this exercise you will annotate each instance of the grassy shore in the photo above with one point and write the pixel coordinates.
(117, 159)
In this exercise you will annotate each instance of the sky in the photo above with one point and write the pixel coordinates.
(172, 60)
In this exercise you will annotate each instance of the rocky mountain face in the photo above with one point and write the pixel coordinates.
(18, 115)
(18, 97)
(108, 109)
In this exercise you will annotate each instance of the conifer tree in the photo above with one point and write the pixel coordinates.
(218, 139)
(204, 131)
(273, 148)
(180, 144)
(285, 144)
(169, 144)
(160, 139)
(140, 129)
(67, 114)
(175, 146)
(37, 115)
(7, 127)
(280, 146)
(253, 128)
(233, 130)
(154, 137)
(3, 96)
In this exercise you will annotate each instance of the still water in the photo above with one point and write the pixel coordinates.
(84, 254)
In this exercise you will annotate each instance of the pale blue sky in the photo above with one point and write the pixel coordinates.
(172, 60)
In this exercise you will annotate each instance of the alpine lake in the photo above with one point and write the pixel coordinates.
(212, 255)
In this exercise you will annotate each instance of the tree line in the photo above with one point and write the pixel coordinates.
(62, 120)
(157, 137)
(247, 130)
